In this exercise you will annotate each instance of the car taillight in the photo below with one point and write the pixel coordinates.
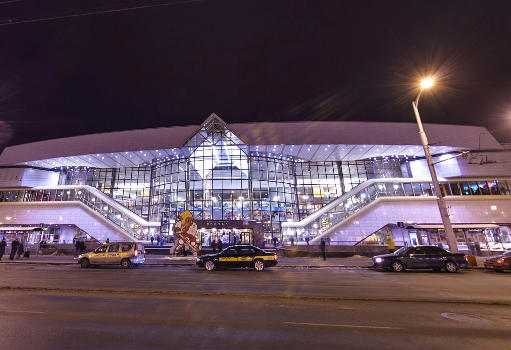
(136, 252)
(275, 256)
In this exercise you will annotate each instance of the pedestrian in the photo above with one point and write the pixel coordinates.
(14, 248)
(21, 250)
(328, 240)
(307, 238)
(77, 248)
(220, 245)
(213, 245)
(292, 239)
(322, 246)
(3, 244)
(82, 247)
(107, 240)
(390, 244)
(158, 240)
(152, 240)
(275, 239)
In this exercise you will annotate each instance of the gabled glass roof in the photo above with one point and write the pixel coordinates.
(213, 132)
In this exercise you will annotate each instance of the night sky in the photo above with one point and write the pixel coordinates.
(167, 64)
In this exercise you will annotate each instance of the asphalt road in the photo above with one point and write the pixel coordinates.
(64, 307)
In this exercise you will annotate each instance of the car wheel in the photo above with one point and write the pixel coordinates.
(125, 263)
(209, 265)
(451, 266)
(397, 266)
(84, 263)
(259, 265)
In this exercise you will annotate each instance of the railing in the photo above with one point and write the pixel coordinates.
(123, 218)
(361, 196)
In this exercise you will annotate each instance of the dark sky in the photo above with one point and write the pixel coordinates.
(249, 61)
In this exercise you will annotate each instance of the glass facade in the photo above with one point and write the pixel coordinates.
(128, 186)
(217, 178)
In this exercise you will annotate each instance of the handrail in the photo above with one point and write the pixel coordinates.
(362, 195)
(104, 205)
(359, 188)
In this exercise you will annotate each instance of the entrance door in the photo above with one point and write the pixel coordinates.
(246, 236)
(424, 238)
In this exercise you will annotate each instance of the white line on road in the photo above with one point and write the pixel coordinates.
(22, 311)
(337, 325)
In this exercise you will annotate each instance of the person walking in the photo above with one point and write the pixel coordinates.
(3, 244)
(322, 246)
(14, 248)
(390, 244)
(21, 250)
(82, 247)
(275, 239)
(213, 245)
(220, 245)
(152, 240)
(77, 248)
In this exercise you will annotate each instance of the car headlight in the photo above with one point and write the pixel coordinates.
(500, 260)
(378, 260)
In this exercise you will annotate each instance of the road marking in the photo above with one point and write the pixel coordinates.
(22, 311)
(337, 325)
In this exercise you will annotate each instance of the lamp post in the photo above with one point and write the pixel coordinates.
(451, 238)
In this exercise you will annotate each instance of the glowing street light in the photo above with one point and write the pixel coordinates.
(449, 232)
(426, 83)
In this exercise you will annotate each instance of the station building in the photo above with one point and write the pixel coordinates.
(350, 183)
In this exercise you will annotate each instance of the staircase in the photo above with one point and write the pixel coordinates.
(367, 197)
(90, 209)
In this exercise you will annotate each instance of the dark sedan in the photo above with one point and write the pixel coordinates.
(238, 256)
(421, 257)
(499, 262)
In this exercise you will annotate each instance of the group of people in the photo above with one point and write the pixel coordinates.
(217, 244)
(17, 248)
(79, 247)
(159, 240)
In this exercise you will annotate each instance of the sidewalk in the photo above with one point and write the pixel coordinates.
(166, 260)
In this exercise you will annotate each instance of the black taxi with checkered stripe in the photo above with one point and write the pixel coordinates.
(238, 256)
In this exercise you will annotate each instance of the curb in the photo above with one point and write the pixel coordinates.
(180, 264)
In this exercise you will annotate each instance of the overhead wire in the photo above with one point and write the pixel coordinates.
(97, 12)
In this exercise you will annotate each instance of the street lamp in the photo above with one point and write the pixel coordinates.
(451, 238)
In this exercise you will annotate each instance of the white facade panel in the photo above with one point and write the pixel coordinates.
(61, 213)
(423, 211)
(27, 177)
(489, 164)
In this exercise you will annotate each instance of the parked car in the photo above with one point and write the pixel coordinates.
(500, 262)
(238, 256)
(125, 254)
(421, 257)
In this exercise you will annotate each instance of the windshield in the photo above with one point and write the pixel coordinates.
(400, 251)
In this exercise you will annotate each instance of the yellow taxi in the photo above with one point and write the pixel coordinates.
(125, 254)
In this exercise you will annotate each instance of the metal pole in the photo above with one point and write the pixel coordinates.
(451, 238)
